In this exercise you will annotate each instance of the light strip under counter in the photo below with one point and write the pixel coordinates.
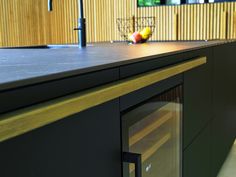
(25, 120)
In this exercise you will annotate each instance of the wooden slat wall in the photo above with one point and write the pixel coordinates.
(27, 22)
(1, 22)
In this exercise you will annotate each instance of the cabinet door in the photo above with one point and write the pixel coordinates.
(84, 145)
(223, 129)
(197, 156)
(197, 98)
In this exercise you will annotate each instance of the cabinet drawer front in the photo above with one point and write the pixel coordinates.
(33, 94)
(148, 65)
(141, 95)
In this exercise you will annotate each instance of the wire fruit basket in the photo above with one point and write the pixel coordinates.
(127, 26)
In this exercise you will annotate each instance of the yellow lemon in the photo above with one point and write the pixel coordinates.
(146, 32)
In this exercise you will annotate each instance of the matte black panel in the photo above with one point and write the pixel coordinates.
(141, 67)
(197, 156)
(144, 66)
(197, 98)
(219, 144)
(231, 68)
(84, 145)
(26, 96)
(141, 95)
(223, 128)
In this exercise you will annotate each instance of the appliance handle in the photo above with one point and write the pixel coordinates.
(136, 159)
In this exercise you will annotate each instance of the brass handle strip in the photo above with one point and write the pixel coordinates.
(25, 120)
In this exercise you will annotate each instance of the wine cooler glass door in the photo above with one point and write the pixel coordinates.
(152, 137)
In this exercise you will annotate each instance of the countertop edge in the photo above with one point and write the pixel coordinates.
(77, 72)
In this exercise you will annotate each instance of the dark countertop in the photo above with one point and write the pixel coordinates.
(21, 67)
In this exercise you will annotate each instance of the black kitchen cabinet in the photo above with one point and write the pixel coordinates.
(224, 123)
(197, 98)
(209, 112)
(196, 157)
(86, 144)
(90, 144)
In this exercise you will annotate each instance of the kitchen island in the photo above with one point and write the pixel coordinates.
(84, 139)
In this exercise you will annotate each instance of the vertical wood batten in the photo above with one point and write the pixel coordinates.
(1, 22)
(234, 24)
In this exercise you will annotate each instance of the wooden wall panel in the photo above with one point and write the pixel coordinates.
(1, 22)
(21, 23)
(27, 22)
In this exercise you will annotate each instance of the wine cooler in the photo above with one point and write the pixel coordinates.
(151, 135)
